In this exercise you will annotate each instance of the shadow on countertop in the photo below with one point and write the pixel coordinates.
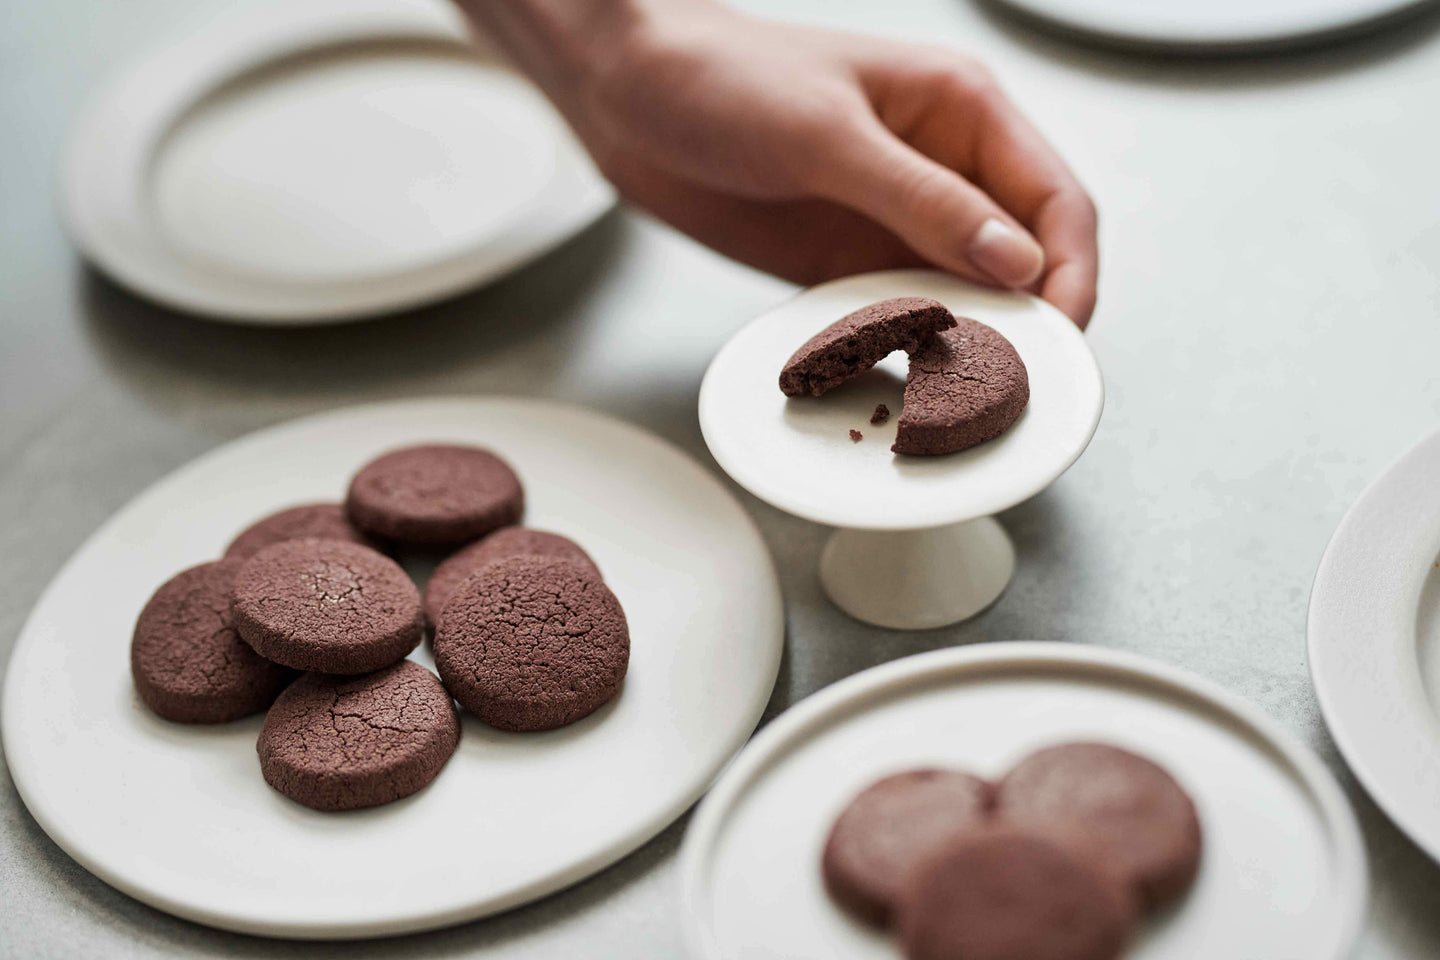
(164, 354)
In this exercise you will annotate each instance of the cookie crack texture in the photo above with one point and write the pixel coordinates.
(327, 605)
(966, 386)
(188, 662)
(337, 743)
(532, 643)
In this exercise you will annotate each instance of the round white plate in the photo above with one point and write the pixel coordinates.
(179, 817)
(1375, 641)
(1213, 24)
(1283, 875)
(797, 454)
(322, 161)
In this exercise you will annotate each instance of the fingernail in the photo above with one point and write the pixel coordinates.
(1007, 255)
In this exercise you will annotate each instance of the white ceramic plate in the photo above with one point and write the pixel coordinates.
(1375, 641)
(179, 817)
(319, 161)
(797, 454)
(1283, 875)
(1213, 24)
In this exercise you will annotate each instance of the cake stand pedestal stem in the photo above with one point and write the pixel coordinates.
(918, 579)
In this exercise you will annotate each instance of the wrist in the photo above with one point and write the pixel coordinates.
(568, 47)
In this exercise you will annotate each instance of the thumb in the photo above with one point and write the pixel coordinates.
(938, 213)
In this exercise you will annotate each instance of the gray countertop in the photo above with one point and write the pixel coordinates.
(1269, 328)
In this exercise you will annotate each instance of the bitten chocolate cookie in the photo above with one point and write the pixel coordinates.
(505, 542)
(966, 386)
(438, 493)
(319, 521)
(1134, 813)
(889, 826)
(1002, 893)
(532, 643)
(858, 341)
(188, 662)
(326, 605)
(340, 743)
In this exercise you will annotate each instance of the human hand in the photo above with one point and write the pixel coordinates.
(813, 154)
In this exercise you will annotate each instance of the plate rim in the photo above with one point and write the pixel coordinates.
(1335, 617)
(707, 400)
(799, 722)
(28, 634)
(210, 57)
(1048, 16)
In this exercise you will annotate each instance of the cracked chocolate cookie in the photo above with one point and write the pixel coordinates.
(435, 494)
(1001, 893)
(340, 743)
(188, 663)
(858, 341)
(1129, 809)
(505, 542)
(326, 605)
(889, 827)
(532, 643)
(966, 386)
(318, 521)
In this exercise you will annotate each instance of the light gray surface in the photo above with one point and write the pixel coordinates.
(1268, 329)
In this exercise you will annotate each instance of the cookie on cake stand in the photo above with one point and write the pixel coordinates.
(916, 546)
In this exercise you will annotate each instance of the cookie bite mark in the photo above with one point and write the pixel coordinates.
(532, 643)
(858, 341)
(342, 743)
(966, 386)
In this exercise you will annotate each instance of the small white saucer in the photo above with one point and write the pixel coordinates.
(178, 816)
(1374, 630)
(917, 547)
(1213, 25)
(321, 161)
(1283, 874)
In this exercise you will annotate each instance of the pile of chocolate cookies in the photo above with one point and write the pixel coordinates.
(527, 636)
(966, 383)
(1056, 861)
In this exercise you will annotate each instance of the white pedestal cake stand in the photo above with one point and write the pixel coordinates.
(917, 546)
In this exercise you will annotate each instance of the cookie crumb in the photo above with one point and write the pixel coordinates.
(881, 414)
(856, 436)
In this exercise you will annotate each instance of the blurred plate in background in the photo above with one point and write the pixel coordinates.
(1212, 25)
(321, 162)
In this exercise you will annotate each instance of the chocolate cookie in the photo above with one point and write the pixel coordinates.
(1133, 812)
(438, 493)
(505, 542)
(532, 643)
(339, 743)
(319, 521)
(858, 341)
(1001, 893)
(326, 605)
(966, 386)
(188, 662)
(892, 824)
